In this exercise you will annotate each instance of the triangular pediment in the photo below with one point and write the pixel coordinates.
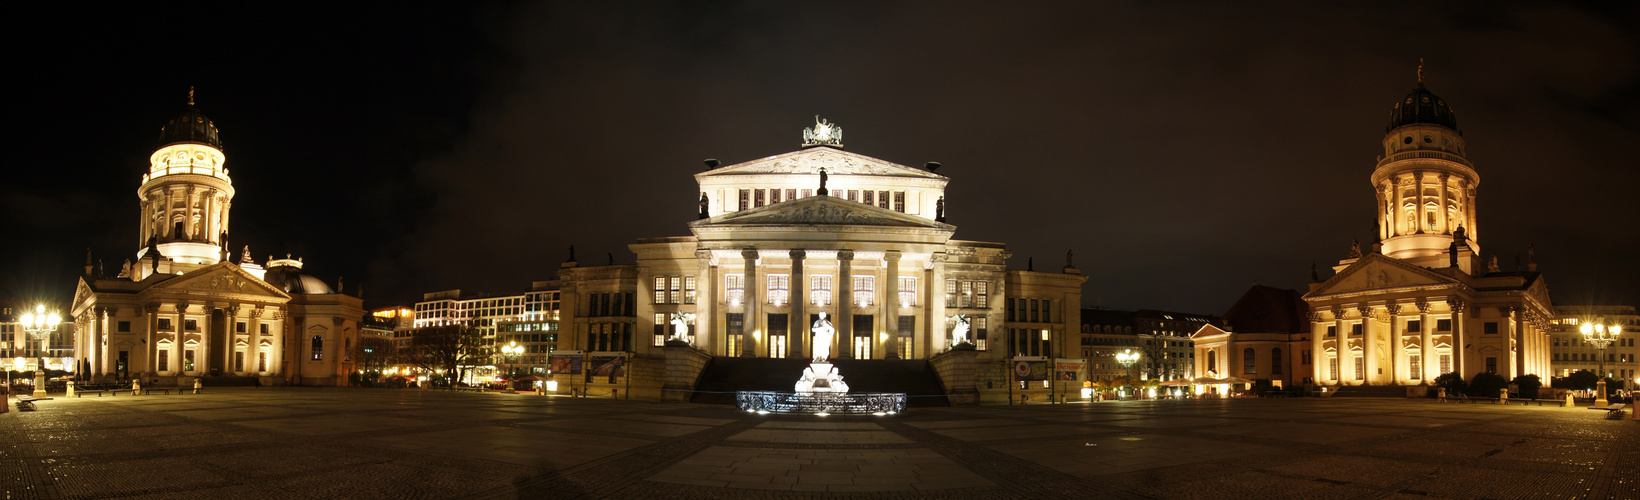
(821, 210)
(1377, 272)
(223, 280)
(1207, 331)
(811, 160)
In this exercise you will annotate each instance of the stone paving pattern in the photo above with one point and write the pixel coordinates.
(372, 443)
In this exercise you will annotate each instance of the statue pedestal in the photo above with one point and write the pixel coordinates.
(1600, 393)
(963, 347)
(40, 383)
(821, 377)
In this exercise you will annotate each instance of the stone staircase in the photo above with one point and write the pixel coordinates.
(724, 376)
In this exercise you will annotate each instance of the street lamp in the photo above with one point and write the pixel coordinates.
(1126, 358)
(1596, 333)
(511, 352)
(39, 325)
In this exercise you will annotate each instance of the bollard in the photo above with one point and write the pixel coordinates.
(70, 393)
(196, 385)
(1503, 396)
(136, 387)
(1570, 403)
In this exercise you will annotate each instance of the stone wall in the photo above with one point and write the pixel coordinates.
(682, 369)
(957, 371)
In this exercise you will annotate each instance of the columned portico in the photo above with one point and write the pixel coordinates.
(750, 285)
(798, 331)
(845, 305)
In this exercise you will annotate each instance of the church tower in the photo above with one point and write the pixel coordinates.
(1425, 185)
(184, 198)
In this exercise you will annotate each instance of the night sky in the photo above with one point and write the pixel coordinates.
(1185, 151)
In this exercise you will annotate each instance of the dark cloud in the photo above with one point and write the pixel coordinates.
(1183, 150)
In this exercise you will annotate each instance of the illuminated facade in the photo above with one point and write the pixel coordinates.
(1571, 352)
(184, 310)
(782, 239)
(1421, 302)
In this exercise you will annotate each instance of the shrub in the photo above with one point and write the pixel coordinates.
(1453, 383)
(1528, 385)
(1486, 385)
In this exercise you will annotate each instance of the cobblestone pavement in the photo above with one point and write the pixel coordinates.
(371, 443)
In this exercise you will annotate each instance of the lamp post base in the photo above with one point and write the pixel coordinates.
(40, 383)
(1600, 393)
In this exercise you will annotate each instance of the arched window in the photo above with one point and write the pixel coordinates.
(318, 348)
(1249, 361)
(1213, 361)
(1275, 361)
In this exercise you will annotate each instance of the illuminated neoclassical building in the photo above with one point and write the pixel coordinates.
(782, 241)
(1419, 301)
(183, 309)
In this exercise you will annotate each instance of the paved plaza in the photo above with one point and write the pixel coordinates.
(377, 443)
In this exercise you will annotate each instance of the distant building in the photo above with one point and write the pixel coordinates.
(1162, 338)
(1572, 353)
(20, 352)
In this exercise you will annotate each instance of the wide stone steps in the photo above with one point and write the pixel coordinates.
(724, 376)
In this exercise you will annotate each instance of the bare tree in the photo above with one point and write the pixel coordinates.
(450, 350)
(375, 354)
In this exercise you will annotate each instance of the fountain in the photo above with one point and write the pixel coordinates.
(821, 389)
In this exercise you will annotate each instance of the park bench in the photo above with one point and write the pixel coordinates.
(150, 390)
(1614, 411)
(80, 393)
(1541, 402)
(26, 403)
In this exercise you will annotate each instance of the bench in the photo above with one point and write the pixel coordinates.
(81, 393)
(1614, 411)
(150, 391)
(26, 403)
(1540, 402)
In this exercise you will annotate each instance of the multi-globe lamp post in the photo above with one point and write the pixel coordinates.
(39, 325)
(511, 352)
(1597, 334)
(1127, 358)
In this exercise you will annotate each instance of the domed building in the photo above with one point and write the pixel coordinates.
(1420, 301)
(182, 310)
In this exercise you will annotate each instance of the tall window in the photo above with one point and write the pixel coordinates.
(1360, 368)
(1036, 315)
(951, 293)
(745, 199)
(1332, 368)
(239, 361)
(978, 324)
(1491, 365)
(1010, 309)
(262, 361)
(774, 196)
(869, 197)
(1332, 330)
(1047, 311)
(854, 195)
(188, 360)
(820, 289)
(908, 291)
(688, 289)
(1416, 366)
(1213, 361)
(1275, 361)
(864, 326)
(318, 348)
(791, 194)
(164, 360)
(1249, 361)
(660, 290)
(899, 201)
(882, 199)
(734, 288)
(779, 323)
(982, 297)
(757, 200)
(347, 349)
(779, 288)
(865, 290)
(734, 327)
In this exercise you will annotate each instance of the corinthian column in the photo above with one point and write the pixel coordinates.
(845, 306)
(749, 289)
(798, 333)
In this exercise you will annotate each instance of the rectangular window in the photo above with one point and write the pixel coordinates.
(1355, 329)
(190, 325)
(188, 360)
(239, 361)
(261, 361)
(979, 332)
(950, 293)
(1360, 368)
(1047, 311)
(863, 328)
(1415, 365)
(660, 289)
(1304, 357)
(123, 327)
(899, 201)
(1415, 326)
(882, 199)
(778, 325)
(865, 290)
(791, 194)
(745, 199)
(1275, 362)
(982, 294)
(1249, 361)
(854, 195)
(779, 286)
(688, 289)
(1490, 327)
(807, 193)
(165, 324)
(869, 197)
(965, 294)
(734, 327)
(1036, 314)
(1332, 330)
(820, 289)
(1491, 365)
(1446, 363)
(1010, 309)
(164, 360)
(774, 196)
(908, 292)
(262, 328)
(1332, 368)
(757, 197)
(663, 329)
(734, 288)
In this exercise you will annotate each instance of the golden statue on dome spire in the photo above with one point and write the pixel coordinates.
(1420, 71)
(190, 95)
